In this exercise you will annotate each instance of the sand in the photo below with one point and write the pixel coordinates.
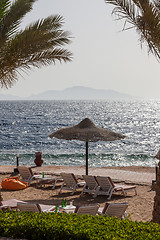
(140, 206)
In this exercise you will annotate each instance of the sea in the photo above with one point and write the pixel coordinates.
(25, 126)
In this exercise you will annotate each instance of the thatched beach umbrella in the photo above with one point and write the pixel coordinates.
(86, 131)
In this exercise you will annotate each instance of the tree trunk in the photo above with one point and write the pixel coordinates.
(156, 208)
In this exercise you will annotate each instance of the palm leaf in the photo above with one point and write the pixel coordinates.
(39, 44)
(4, 5)
(13, 17)
(144, 15)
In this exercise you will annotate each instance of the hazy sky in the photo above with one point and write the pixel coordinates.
(104, 56)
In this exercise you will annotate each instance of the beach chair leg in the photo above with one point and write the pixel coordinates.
(61, 188)
(30, 180)
(83, 190)
(125, 215)
(124, 192)
(96, 192)
(54, 185)
(110, 194)
(56, 181)
(74, 189)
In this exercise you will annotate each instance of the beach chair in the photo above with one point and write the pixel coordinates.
(10, 203)
(27, 175)
(35, 207)
(90, 184)
(114, 210)
(51, 180)
(107, 187)
(70, 182)
(87, 209)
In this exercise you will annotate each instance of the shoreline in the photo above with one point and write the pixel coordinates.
(10, 168)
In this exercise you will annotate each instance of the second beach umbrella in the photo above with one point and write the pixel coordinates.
(86, 131)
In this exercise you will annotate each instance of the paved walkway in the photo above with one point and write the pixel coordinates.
(115, 174)
(134, 177)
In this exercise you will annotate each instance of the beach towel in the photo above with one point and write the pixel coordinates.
(13, 183)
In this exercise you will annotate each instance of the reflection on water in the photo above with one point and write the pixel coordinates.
(25, 126)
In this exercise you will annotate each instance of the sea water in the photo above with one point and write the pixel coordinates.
(25, 126)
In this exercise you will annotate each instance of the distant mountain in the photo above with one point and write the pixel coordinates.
(79, 93)
(9, 97)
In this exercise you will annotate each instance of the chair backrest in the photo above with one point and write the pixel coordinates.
(115, 209)
(91, 181)
(25, 172)
(105, 183)
(29, 207)
(87, 209)
(69, 179)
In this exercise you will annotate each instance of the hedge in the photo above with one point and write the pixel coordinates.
(60, 226)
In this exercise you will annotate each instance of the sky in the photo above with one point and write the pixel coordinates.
(104, 56)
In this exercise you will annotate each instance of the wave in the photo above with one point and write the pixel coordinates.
(95, 160)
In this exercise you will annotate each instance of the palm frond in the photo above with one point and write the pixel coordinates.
(9, 72)
(38, 45)
(125, 9)
(13, 17)
(4, 5)
(144, 15)
(36, 39)
(46, 58)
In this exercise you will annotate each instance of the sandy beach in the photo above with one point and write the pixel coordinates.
(140, 206)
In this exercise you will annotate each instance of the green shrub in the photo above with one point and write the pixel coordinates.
(60, 226)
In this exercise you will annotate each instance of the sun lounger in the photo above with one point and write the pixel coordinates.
(90, 184)
(26, 174)
(35, 207)
(48, 179)
(10, 203)
(114, 210)
(87, 209)
(107, 187)
(70, 182)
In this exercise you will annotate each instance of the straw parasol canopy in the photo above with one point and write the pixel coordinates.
(86, 131)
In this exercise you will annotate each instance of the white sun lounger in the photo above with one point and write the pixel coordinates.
(114, 210)
(35, 207)
(10, 203)
(70, 182)
(87, 209)
(26, 174)
(107, 187)
(90, 184)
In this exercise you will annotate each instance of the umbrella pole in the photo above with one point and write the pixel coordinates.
(86, 158)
